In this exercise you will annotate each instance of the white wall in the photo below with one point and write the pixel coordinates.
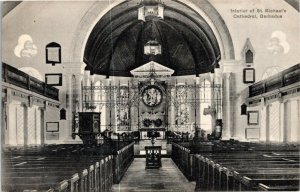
(260, 30)
(47, 21)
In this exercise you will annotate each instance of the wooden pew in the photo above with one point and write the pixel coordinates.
(274, 186)
(90, 173)
(17, 183)
(87, 177)
(56, 169)
(215, 170)
(122, 160)
(214, 173)
(250, 182)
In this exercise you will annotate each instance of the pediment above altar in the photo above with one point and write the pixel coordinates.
(152, 66)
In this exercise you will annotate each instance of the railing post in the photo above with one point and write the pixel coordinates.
(282, 79)
(44, 86)
(28, 81)
(4, 68)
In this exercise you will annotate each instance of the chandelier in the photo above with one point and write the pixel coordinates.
(149, 9)
(152, 47)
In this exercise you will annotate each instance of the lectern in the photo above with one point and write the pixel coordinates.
(153, 157)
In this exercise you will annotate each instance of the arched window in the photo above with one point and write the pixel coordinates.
(62, 113)
(248, 53)
(249, 56)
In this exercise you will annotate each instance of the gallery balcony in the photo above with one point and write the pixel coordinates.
(18, 78)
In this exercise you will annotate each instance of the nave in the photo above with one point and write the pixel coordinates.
(150, 95)
(168, 178)
(213, 166)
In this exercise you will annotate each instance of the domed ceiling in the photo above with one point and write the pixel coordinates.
(116, 43)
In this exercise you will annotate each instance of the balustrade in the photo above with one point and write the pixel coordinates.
(18, 78)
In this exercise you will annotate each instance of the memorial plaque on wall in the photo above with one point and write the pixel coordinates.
(54, 79)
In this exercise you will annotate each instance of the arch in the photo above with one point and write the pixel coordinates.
(270, 71)
(207, 11)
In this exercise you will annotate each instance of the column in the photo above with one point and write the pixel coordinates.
(42, 111)
(227, 108)
(281, 121)
(78, 90)
(22, 123)
(69, 106)
(92, 78)
(198, 102)
(213, 101)
(108, 104)
(199, 111)
(286, 116)
(267, 123)
(104, 108)
(234, 97)
(172, 113)
(12, 127)
(263, 124)
(294, 120)
(31, 126)
(86, 82)
(218, 82)
(274, 121)
(77, 69)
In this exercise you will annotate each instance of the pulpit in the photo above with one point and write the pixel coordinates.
(153, 157)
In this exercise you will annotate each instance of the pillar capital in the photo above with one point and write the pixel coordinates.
(231, 66)
(197, 80)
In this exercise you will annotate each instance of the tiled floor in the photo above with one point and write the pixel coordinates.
(168, 178)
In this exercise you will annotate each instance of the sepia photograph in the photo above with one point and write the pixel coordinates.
(150, 95)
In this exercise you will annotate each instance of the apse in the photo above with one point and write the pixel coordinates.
(116, 44)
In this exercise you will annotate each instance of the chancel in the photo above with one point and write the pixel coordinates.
(150, 95)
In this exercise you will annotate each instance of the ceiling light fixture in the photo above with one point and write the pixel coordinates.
(150, 9)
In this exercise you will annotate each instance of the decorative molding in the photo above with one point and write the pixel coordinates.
(276, 95)
(159, 69)
(29, 99)
(231, 66)
(248, 46)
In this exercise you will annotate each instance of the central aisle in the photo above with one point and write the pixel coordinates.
(168, 178)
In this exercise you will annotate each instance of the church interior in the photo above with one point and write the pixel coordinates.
(150, 95)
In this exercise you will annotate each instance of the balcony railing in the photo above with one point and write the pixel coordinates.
(282, 79)
(19, 78)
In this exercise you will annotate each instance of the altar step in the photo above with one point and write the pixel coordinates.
(163, 155)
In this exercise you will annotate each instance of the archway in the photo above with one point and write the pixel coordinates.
(200, 35)
(206, 11)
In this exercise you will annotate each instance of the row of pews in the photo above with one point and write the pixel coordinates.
(237, 166)
(65, 168)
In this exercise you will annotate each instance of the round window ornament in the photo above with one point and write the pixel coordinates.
(152, 96)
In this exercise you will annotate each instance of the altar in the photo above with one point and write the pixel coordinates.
(144, 132)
